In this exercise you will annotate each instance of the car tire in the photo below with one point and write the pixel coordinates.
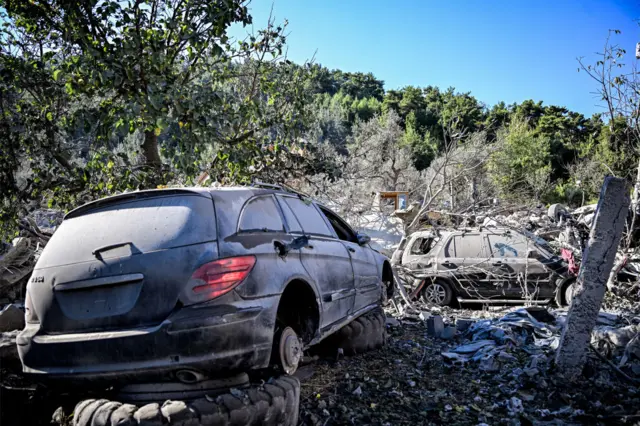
(438, 293)
(274, 403)
(363, 334)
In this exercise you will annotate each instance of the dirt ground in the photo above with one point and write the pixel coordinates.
(409, 383)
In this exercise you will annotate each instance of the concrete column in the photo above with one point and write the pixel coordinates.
(604, 239)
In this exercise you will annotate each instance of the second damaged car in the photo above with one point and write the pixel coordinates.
(488, 265)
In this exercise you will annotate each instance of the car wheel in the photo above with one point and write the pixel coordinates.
(289, 349)
(437, 292)
(364, 333)
(274, 403)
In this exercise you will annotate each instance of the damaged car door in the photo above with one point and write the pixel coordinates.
(465, 256)
(365, 271)
(325, 258)
(515, 260)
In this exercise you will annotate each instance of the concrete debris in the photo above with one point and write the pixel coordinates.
(11, 318)
(8, 348)
(448, 333)
(392, 322)
(18, 258)
(435, 326)
(463, 324)
(535, 332)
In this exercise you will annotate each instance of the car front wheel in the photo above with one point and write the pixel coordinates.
(437, 292)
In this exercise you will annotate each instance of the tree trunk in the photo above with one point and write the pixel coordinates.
(604, 239)
(150, 150)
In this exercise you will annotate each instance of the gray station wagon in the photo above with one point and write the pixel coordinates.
(492, 265)
(209, 280)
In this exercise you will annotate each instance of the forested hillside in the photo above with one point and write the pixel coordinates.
(102, 97)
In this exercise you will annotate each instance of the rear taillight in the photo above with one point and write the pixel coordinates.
(219, 277)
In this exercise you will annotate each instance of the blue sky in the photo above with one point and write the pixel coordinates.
(498, 50)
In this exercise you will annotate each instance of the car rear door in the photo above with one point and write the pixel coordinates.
(325, 259)
(465, 257)
(512, 267)
(367, 278)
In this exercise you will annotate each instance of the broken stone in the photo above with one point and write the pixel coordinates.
(514, 405)
(463, 324)
(435, 326)
(505, 356)
(526, 396)
(424, 316)
(488, 364)
(358, 391)
(322, 405)
(531, 372)
(11, 318)
(448, 333)
(392, 322)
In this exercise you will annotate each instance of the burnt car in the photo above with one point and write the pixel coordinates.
(150, 283)
(490, 265)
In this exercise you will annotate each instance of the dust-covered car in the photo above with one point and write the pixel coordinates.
(492, 265)
(194, 280)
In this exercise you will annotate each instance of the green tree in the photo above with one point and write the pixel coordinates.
(163, 69)
(521, 167)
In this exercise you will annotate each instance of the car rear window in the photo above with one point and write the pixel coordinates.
(137, 226)
(261, 214)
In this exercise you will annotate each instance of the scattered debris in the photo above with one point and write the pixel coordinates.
(11, 318)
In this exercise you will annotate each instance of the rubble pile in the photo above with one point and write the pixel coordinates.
(17, 260)
(502, 373)
(535, 332)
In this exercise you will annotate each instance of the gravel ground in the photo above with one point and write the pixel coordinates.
(408, 383)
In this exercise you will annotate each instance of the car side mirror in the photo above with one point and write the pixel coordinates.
(363, 239)
(533, 254)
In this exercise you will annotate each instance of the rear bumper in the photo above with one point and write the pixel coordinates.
(217, 339)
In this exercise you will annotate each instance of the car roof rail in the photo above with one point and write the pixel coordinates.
(265, 185)
(279, 187)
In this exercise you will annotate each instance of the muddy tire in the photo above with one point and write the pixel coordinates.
(274, 403)
(363, 334)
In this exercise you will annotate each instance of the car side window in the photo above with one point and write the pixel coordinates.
(308, 216)
(469, 245)
(342, 229)
(261, 214)
(289, 217)
(508, 246)
(422, 246)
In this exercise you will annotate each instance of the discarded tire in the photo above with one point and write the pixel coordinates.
(363, 334)
(274, 403)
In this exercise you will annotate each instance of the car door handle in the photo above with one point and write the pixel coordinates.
(310, 247)
(448, 264)
(497, 264)
(352, 250)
